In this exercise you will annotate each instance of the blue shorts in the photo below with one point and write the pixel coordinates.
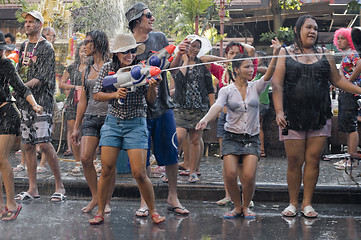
(163, 135)
(124, 134)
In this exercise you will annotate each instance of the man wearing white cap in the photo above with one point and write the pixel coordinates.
(160, 119)
(37, 69)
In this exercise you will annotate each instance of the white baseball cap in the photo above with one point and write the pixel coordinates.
(35, 14)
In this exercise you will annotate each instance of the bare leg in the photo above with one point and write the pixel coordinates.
(31, 162)
(314, 148)
(352, 142)
(183, 141)
(195, 147)
(48, 150)
(109, 158)
(231, 167)
(88, 149)
(295, 150)
(7, 172)
(248, 178)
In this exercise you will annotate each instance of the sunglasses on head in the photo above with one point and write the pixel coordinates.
(148, 15)
(132, 51)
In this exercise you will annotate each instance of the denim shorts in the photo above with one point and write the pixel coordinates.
(240, 144)
(124, 134)
(92, 125)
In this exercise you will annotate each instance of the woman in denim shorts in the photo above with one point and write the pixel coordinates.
(90, 112)
(241, 144)
(125, 126)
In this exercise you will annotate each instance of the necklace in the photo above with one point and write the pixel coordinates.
(26, 60)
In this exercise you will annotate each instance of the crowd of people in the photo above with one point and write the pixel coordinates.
(147, 119)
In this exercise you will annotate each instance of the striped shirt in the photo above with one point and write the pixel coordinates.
(134, 105)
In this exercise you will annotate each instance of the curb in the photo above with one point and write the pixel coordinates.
(203, 192)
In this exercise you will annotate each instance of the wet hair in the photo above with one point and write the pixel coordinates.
(264, 60)
(12, 37)
(77, 54)
(297, 31)
(101, 43)
(238, 60)
(134, 23)
(231, 44)
(346, 32)
(200, 42)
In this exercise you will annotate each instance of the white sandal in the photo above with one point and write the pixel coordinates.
(290, 209)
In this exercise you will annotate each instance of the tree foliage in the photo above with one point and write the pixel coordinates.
(290, 4)
(284, 34)
(22, 2)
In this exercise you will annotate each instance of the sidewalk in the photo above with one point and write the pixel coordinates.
(334, 186)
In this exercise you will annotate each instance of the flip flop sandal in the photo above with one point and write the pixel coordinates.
(181, 168)
(290, 209)
(142, 212)
(193, 178)
(156, 218)
(307, 210)
(12, 215)
(183, 210)
(224, 201)
(232, 215)
(184, 172)
(19, 168)
(97, 220)
(58, 197)
(41, 169)
(4, 212)
(249, 214)
(164, 178)
(68, 153)
(25, 196)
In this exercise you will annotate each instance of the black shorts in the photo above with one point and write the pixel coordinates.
(92, 125)
(347, 112)
(9, 120)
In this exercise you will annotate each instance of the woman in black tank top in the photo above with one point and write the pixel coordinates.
(302, 104)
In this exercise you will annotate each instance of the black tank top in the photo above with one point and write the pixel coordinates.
(306, 97)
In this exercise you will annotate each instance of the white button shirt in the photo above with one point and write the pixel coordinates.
(242, 116)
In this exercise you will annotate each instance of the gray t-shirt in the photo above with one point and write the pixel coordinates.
(155, 42)
(94, 107)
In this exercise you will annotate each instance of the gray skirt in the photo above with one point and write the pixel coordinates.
(188, 118)
(240, 144)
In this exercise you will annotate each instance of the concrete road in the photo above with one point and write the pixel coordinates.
(42, 219)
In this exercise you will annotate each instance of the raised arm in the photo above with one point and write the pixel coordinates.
(276, 45)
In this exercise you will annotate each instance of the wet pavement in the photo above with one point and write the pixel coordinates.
(334, 186)
(42, 219)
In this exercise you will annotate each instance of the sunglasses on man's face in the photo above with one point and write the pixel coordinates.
(132, 51)
(148, 15)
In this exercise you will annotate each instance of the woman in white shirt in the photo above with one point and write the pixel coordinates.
(241, 144)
